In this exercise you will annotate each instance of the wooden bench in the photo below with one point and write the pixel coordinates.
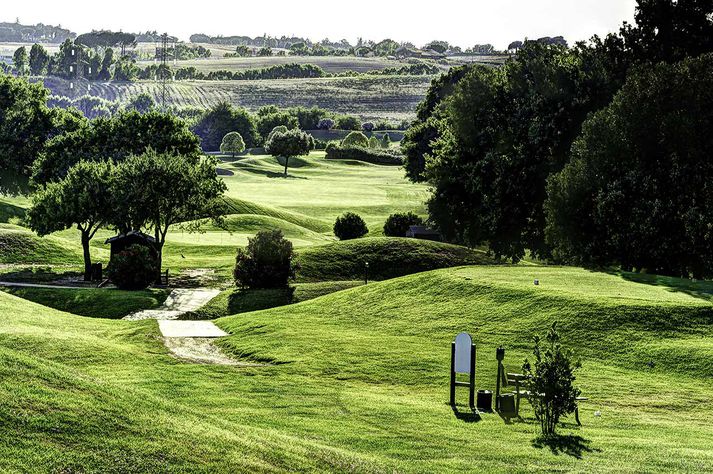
(519, 381)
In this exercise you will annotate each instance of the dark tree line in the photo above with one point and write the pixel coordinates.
(489, 139)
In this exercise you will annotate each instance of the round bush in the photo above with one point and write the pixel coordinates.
(398, 224)
(266, 262)
(350, 226)
(356, 139)
(367, 127)
(133, 269)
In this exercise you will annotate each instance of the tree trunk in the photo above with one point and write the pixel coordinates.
(159, 261)
(87, 256)
(287, 160)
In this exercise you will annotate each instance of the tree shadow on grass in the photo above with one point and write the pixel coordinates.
(571, 445)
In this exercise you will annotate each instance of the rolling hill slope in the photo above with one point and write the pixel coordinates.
(357, 381)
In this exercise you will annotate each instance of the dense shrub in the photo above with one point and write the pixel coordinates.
(356, 139)
(308, 118)
(347, 122)
(222, 119)
(368, 155)
(374, 142)
(398, 224)
(280, 71)
(350, 226)
(325, 124)
(133, 269)
(266, 262)
(368, 127)
(266, 123)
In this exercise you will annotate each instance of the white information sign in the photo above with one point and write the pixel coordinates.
(464, 345)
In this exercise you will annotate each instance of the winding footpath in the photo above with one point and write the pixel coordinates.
(188, 340)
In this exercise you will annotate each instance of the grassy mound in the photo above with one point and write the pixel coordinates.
(387, 258)
(20, 246)
(10, 210)
(359, 381)
(235, 301)
(92, 302)
(239, 206)
(392, 339)
(253, 223)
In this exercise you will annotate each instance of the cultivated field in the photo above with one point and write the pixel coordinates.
(330, 64)
(371, 97)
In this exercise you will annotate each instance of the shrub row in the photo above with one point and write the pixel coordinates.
(369, 155)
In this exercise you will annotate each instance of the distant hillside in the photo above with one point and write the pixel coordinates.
(39, 33)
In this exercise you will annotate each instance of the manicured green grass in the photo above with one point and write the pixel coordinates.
(388, 257)
(359, 381)
(20, 246)
(235, 300)
(304, 206)
(92, 302)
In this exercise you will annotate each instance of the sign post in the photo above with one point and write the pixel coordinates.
(463, 362)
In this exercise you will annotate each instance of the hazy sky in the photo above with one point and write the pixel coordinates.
(460, 22)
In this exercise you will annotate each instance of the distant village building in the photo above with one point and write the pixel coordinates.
(423, 233)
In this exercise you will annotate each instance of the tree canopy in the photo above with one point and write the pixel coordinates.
(288, 144)
(127, 133)
(82, 199)
(637, 192)
(232, 143)
(157, 190)
(222, 119)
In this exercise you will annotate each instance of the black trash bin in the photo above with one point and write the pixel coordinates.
(485, 400)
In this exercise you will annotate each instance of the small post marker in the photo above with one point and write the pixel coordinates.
(366, 273)
(500, 356)
(463, 362)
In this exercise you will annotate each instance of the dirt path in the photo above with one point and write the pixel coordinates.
(191, 341)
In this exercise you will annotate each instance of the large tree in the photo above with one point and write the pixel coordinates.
(115, 138)
(503, 132)
(288, 144)
(26, 123)
(20, 60)
(39, 60)
(158, 190)
(222, 119)
(670, 30)
(82, 199)
(638, 190)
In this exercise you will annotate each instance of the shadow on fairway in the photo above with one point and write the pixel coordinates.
(468, 416)
(571, 445)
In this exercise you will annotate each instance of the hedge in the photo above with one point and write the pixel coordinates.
(369, 155)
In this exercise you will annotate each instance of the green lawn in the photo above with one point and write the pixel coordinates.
(304, 206)
(357, 381)
(92, 302)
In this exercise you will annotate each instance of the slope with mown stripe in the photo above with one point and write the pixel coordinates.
(357, 381)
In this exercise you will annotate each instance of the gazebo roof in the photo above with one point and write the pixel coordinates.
(133, 233)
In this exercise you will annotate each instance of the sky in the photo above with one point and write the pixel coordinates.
(463, 23)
